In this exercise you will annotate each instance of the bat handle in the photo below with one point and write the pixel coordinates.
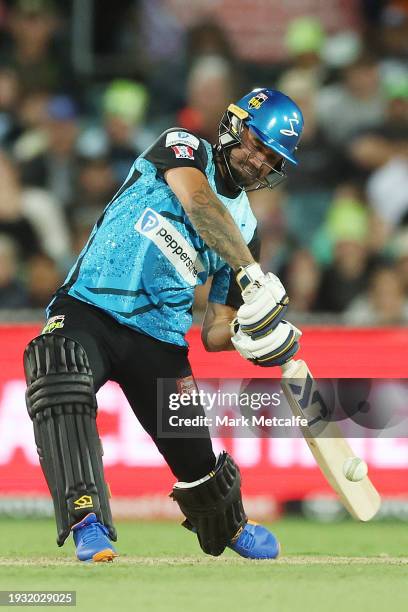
(289, 367)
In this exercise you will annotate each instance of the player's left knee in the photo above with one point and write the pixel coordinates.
(57, 372)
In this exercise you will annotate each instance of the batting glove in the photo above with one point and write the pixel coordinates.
(274, 349)
(265, 301)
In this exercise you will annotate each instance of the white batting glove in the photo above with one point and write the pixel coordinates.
(274, 349)
(265, 301)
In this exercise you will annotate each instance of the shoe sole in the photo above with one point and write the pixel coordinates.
(104, 556)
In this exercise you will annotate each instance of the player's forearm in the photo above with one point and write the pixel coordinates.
(217, 337)
(217, 228)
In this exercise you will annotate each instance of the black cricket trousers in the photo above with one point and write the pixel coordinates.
(136, 362)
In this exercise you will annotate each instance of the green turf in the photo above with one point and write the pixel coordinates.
(342, 567)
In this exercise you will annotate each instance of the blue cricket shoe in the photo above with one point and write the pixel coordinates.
(255, 542)
(92, 541)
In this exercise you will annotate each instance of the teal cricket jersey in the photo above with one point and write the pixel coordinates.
(144, 258)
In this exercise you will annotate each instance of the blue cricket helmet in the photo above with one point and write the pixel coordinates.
(275, 118)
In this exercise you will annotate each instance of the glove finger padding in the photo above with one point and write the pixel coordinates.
(265, 303)
(275, 349)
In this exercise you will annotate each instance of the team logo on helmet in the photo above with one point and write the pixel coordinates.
(293, 122)
(257, 101)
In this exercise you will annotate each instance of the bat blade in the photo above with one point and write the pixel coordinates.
(329, 447)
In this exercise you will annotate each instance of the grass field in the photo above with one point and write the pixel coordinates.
(341, 567)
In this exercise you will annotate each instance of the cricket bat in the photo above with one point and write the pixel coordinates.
(330, 449)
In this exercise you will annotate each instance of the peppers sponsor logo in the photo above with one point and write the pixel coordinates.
(149, 221)
(172, 244)
(56, 322)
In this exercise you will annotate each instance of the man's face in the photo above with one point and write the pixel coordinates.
(252, 161)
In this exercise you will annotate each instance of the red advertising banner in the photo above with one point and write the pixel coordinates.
(279, 469)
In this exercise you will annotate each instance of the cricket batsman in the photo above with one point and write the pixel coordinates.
(181, 216)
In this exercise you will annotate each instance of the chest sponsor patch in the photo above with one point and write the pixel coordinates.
(172, 244)
(183, 152)
(182, 138)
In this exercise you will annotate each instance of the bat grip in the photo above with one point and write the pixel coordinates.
(289, 367)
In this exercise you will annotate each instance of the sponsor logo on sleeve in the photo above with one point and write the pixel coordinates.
(183, 138)
(183, 152)
(172, 244)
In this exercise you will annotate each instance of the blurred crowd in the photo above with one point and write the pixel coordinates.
(336, 232)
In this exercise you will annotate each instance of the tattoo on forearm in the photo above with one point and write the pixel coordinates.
(218, 229)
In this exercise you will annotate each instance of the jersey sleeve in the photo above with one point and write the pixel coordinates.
(177, 148)
(224, 287)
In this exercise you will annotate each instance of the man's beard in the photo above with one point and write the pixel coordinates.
(243, 178)
(224, 165)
